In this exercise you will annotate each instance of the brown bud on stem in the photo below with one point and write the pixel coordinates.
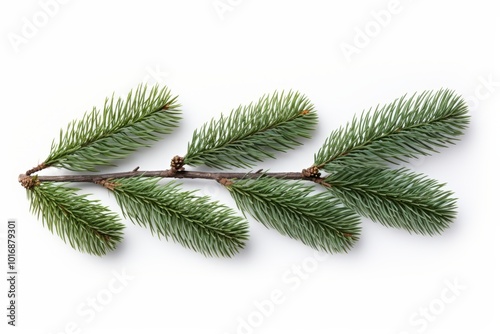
(177, 163)
(28, 182)
(312, 172)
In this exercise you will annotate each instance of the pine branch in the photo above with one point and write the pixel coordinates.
(196, 223)
(318, 220)
(403, 129)
(356, 156)
(253, 133)
(123, 126)
(395, 198)
(85, 224)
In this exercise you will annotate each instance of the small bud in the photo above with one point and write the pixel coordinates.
(225, 182)
(29, 182)
(177, 163)
(312, 172)
(108, 184)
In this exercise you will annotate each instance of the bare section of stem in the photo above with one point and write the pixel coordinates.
(171, 173)
(36, 169)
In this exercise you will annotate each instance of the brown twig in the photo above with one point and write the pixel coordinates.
(172, 173)
(36, 169)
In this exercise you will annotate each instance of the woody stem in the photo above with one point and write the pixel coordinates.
(171, 173)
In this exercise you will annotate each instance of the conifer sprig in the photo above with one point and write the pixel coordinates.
(396, 198)
(291, 208)
(193, 221)
(85, 224)
(253, 133)
(356, 157)
(403, 129)
(120, 128)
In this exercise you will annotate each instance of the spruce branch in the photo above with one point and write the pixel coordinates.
(253, 133)
(193, 221)
(396, 198)
(403, 129)
(123, 126)
(318, 220)
(355, 157)
(85, 224)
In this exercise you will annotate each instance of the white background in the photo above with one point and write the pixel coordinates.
(215, 60)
